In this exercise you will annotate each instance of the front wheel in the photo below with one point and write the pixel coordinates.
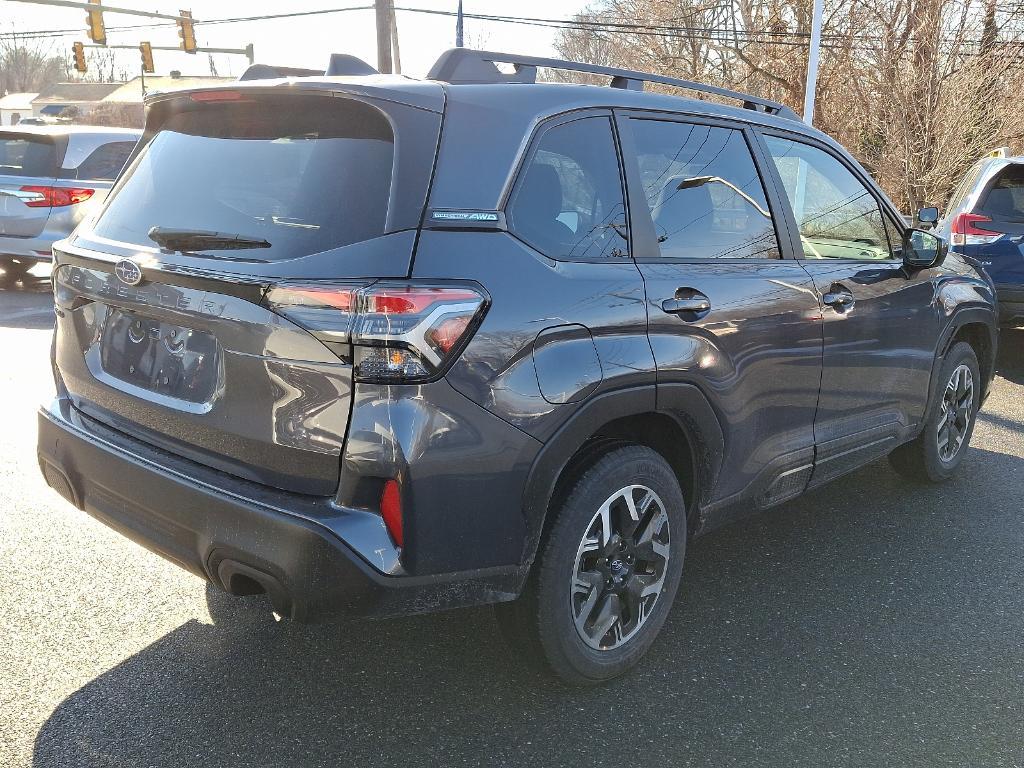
(938, 451)
(607, 571)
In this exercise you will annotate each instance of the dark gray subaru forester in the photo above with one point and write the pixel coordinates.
(374, 345)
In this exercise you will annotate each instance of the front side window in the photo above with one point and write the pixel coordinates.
(838, 217)
(703, 191)
(568, 202)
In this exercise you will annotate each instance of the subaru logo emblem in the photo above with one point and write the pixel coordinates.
(128, 272)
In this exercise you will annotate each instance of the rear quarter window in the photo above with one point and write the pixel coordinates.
(105, 162)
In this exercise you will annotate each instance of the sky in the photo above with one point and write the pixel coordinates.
(300, 42)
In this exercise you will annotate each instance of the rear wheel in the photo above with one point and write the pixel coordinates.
(14, 269)
(607, 572)
(938, 451)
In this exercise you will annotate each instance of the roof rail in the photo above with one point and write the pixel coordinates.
(465, 65)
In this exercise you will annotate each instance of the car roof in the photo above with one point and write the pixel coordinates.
(69, 130)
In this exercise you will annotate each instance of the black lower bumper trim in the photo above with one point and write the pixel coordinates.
(238, 543)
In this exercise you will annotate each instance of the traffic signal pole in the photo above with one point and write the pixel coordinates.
(95, 7)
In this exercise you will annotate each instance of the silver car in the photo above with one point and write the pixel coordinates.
(50, 176)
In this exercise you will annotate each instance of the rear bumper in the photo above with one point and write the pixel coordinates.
(38, 248)
(205, 522)
(1011, 303)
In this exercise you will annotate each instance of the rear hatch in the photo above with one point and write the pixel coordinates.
(28, 166)
(247, 189)
(998, 220)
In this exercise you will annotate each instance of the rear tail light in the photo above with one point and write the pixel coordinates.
(965, 230)
(55, 197)
(399, 332)
(208, 96)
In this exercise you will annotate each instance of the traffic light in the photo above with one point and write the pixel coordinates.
(95, 29)
(187, 32)
(79, 51)
(147, 58)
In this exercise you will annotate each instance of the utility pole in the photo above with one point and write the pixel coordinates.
(383, 12)
(458, 27)
(812, 64)
(394, 38)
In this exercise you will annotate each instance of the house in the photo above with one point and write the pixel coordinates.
(54, 99)
(15, 106)
(131, 92)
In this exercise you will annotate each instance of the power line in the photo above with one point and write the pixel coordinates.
(610, 26)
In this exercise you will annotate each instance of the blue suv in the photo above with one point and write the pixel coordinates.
(375, 345)
(985, 221)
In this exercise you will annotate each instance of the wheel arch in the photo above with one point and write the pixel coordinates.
(677, 421)
(977, 327)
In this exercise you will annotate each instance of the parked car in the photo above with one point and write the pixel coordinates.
(50, 176)
(383, 346)
(985, 221)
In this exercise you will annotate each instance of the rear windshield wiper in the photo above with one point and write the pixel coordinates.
(186, 240)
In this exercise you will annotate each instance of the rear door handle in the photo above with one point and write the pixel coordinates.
(686, 300)
(838, 296)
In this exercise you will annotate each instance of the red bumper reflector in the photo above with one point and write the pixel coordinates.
(391, 511)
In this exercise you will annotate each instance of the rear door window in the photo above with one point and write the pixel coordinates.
(703, 191)
(1004, 200)
(568, 203)
(304, 173)
(27, 155)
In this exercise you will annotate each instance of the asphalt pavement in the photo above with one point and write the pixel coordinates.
(870, 623)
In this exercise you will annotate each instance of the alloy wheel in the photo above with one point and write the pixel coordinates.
(620, 567)
(956, 412)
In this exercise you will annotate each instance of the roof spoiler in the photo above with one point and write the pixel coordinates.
(340, 65)
(464, 65)
(268, 72)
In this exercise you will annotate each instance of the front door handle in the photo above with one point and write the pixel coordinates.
(839, 297)
(686, 300)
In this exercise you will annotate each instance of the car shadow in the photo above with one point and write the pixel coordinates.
(1010, 360)
(872, 622)
(26, 301)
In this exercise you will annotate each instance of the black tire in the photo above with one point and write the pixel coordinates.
(14, 270)
(924, 459)
(542, 624)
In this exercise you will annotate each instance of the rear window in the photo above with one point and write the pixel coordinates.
(306, 174)
(1005, 196)
(26, 155)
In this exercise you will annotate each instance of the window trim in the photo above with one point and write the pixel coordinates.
(646, 247)
(884, 207)
(526, 158)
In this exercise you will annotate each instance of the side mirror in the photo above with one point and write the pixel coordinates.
(922, 250)
(928, 217)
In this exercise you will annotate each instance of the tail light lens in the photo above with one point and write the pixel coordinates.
(966, 230)
(399, 332)
(55, 197)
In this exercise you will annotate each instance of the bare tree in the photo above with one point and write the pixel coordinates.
(917, 89)
(27, 65)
